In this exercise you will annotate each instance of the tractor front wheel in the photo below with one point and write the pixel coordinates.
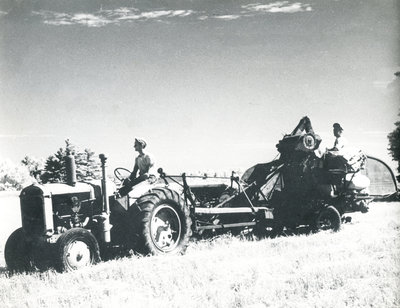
(17, 252)
(75, 249)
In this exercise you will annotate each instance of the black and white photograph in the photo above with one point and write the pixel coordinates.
(199, 153)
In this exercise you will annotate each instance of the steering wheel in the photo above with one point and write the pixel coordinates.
(121, 173)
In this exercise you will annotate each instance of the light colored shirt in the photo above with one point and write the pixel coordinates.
(144, 163)
(340, 143)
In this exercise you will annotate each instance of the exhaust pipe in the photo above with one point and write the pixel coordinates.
(106, 226)
(70, 169)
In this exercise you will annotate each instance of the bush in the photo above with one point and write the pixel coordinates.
(13, 177)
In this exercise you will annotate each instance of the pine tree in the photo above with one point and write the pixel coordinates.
(93, 167)
(53, 170)
(87, 168)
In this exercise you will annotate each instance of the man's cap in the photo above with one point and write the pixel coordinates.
(74, 201)
(337, 126)
(141, 141)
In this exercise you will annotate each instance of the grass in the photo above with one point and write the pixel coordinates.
(356, 267)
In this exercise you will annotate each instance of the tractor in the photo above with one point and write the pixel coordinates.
(72, 225)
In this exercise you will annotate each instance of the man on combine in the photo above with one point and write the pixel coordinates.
(143, 164)
(340, 141)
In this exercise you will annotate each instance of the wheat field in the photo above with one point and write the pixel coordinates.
(356, 267)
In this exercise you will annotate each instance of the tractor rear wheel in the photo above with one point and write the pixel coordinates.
(163, 223)
(17, 252)
(328, 219)
(75, 249)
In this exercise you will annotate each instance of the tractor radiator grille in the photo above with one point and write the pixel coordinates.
(32, 211)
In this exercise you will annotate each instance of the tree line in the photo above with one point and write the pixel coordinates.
(52, 170)
(394, 136)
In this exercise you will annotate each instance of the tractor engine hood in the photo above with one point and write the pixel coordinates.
(58, 189)
(91, 189)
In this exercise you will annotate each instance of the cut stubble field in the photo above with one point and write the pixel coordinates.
(356, 267)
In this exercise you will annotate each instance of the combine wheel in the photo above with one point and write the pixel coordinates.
(76, 249)
(264, 231)
(17, 252)
(328, 218)
(364, 207)
(163, 223)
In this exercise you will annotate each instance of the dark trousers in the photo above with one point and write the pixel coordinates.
(128, 184)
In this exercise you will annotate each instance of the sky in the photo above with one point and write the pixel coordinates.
(210, 85)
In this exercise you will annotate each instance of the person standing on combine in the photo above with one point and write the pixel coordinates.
(340, 141)
(144, 164)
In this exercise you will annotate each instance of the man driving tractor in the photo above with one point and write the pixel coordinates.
(143, 163)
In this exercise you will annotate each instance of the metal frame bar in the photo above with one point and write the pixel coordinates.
(228, 210)
(226, 226)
